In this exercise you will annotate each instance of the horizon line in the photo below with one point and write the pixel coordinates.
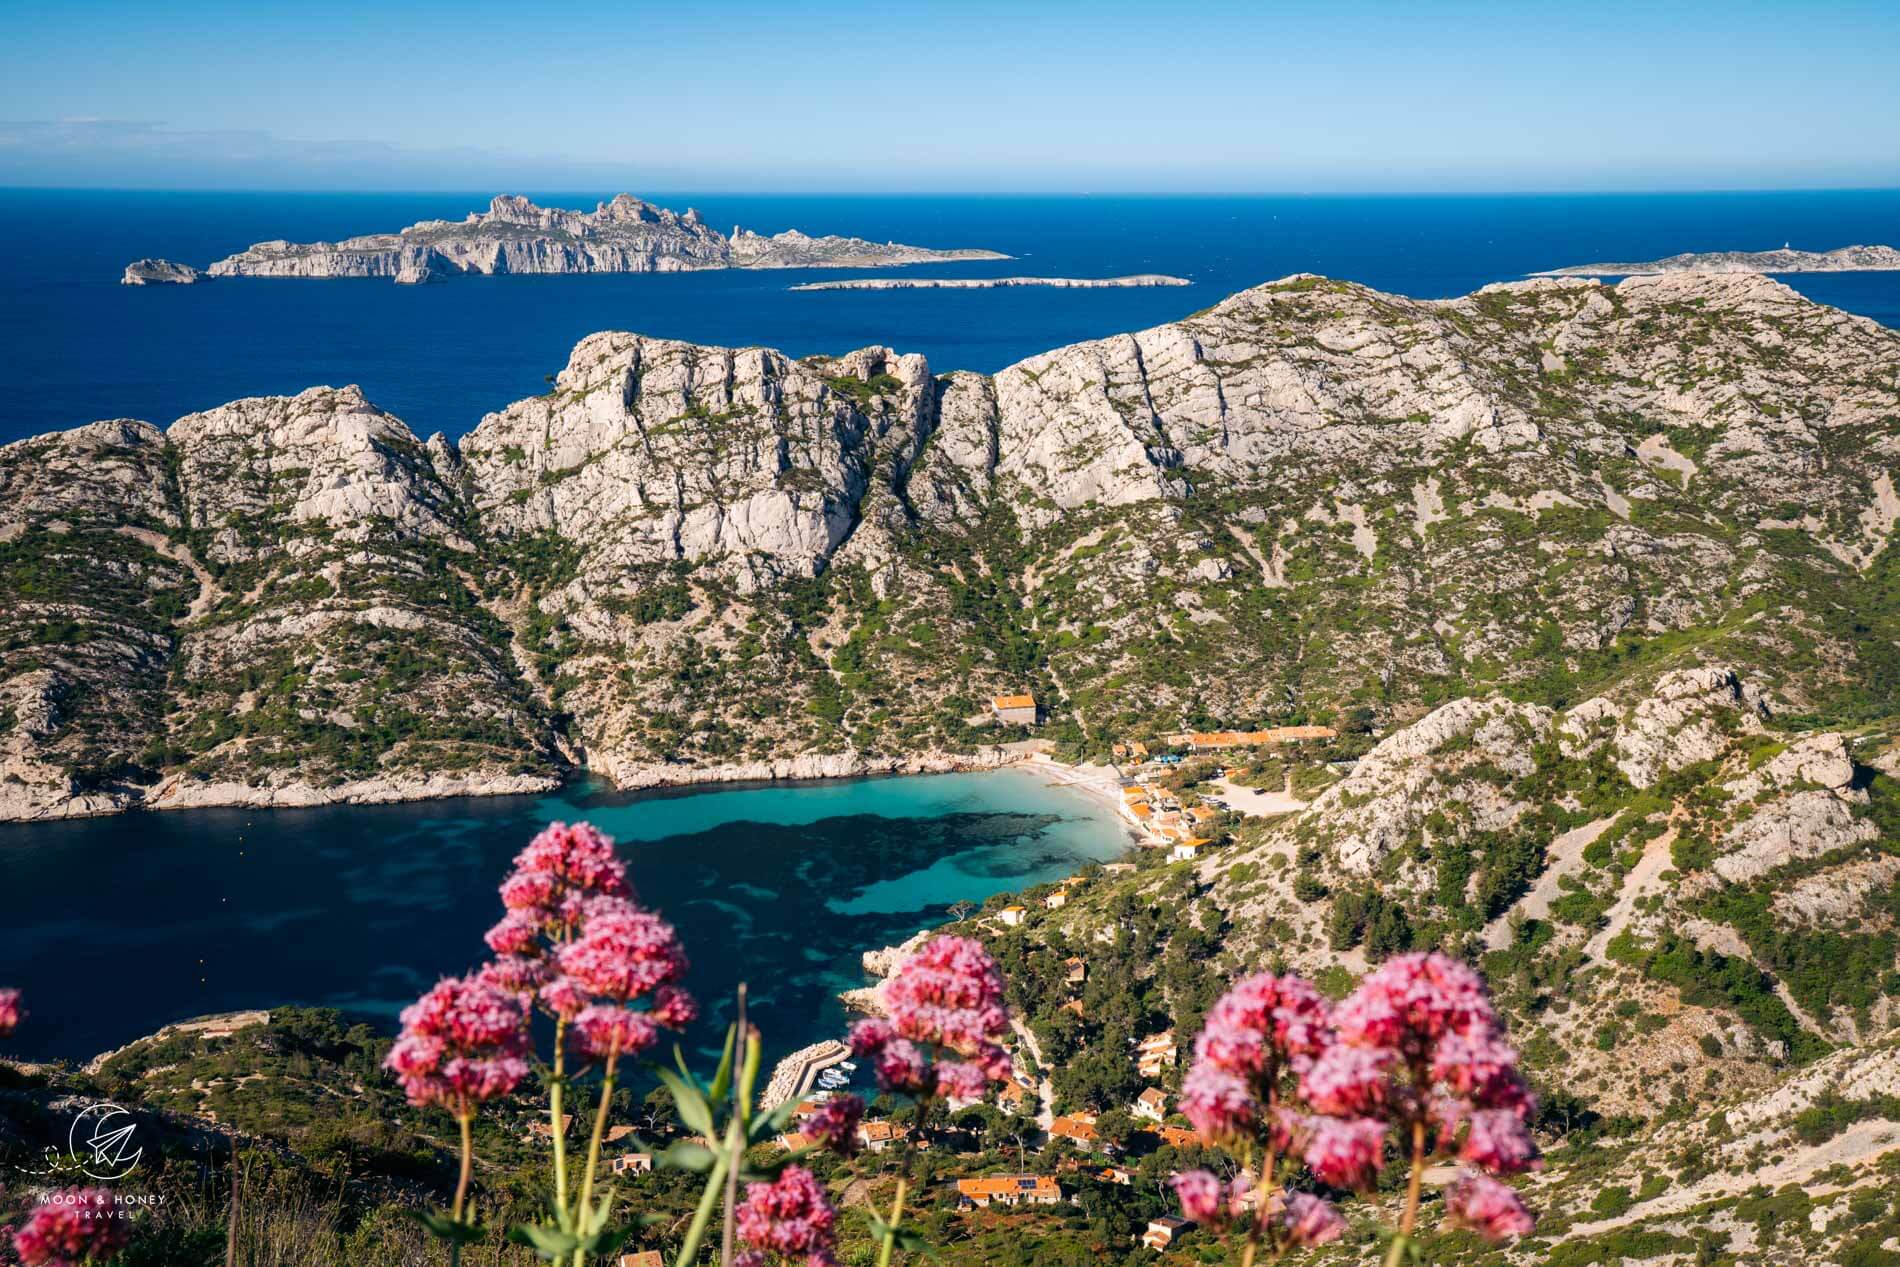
(472, 191)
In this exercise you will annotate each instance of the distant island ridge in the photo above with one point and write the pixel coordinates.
(1846, 259)
(625, 235)
(995, 283)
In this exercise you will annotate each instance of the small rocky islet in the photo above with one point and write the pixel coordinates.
(1846, 259)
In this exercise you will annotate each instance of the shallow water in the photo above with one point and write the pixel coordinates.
(118, 925)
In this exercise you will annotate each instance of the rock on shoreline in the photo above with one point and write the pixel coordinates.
(514, 235)
(995, 283)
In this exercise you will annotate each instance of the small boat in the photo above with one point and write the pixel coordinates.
(846, 1066)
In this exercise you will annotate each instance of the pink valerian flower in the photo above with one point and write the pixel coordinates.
(1350, 1081)
(1488, 1208)
(791, 1217)
(1220, 1104)
(11, 1012)
(516, 974)
(518, 934)
(1411, 1002)
(1347, 1152)
(1202, 1195)
(72, 1226)
(563, 998)
(579, 858)
(624, 955)
(948, 997)
(1264, 1022)
(1497, 1142)
(464, 1042)
(603, 1032)
(834, 1124)
(1310, 1220)
(673, 1007)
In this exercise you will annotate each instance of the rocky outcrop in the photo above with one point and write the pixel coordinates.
(689, 562)
(996, 283)
(159, 273)
(625, 235)
(1846, 259)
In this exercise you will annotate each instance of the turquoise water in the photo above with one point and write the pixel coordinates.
(130, 922)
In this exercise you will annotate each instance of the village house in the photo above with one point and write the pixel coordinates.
(1012, 1096)
(1151, 1104)
(1189, 849)
(633, 1164)
(878, 1136)
(1118, 868)
(644, 1258)
(1008, 1190)
(1014, 710)
(1075, 1006)
(792, 1141)
(1114, 1174)
(1011, 916)
(1161, 1232)
(1056, 901)
(1078, 969)
(1078, 1129)
(1217, 740)
(1155, 1053)
(1178, 1137)
(1204, 813)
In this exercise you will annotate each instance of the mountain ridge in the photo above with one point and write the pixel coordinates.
(1309, 498)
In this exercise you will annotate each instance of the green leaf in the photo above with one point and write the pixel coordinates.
(446, 1228)
(693, 1108)
(750, 1073)
(722, 1081)
(550, 1243)
(686, 1155)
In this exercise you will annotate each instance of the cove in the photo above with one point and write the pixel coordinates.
(117, 926)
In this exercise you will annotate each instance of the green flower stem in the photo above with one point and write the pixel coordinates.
(465, 1120)
(600, 1131)
(702, 1216)
(897, 1214)
(1409, 1219)
(555, 1087)
(1268, 1161)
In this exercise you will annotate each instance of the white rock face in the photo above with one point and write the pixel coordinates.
(1686, 719)
(159, 273)
(514, 235)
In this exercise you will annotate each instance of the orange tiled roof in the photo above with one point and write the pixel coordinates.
(1009, 1185)
(1013, 701)
(1071, 1128)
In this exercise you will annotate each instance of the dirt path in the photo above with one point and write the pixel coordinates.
(1565, 857)
(1724, 940)
(208, 592)
(1639, 882)
(1045, 1090)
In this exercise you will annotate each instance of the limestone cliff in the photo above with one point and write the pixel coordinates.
(1308, 500)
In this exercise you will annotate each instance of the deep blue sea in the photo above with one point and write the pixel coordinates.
(116, 926)
(81, 347)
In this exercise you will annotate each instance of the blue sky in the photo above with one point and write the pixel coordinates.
(1105, 96)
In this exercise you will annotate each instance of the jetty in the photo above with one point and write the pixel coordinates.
(794, 1075)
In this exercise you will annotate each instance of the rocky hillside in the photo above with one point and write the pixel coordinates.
(1312, 500)
(514, 235)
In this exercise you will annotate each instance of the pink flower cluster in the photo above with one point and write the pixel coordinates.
(1264, 1026)
(463, 1042)
(1419, 1044)
(1302, 1218)
(72, 1226)
(790, 1217)
(574, 941)
(834, 1124)
(11, 1012)
(946, 999)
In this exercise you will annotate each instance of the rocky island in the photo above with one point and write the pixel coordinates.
(994, 283)
(1846, 259)
(149, 272)
(514, 235)
(687, 562)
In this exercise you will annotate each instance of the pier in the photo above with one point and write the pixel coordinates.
(795, 1074)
